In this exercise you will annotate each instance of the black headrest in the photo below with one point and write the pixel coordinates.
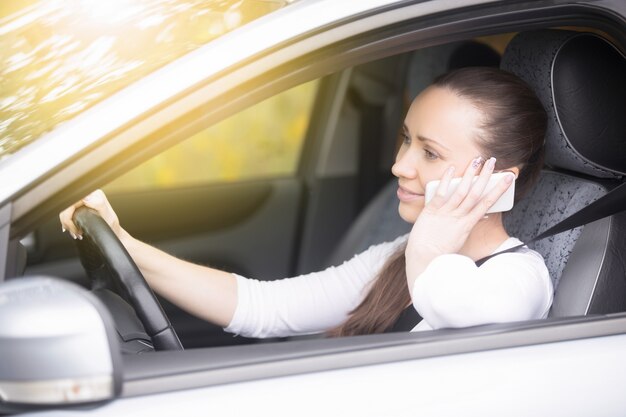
(427, 63)
(581, 81)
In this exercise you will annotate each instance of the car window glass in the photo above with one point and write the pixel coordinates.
(61, 57)
(262, 141)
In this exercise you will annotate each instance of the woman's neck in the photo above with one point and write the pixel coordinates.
(485, 238)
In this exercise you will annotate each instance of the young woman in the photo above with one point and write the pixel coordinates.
(470, 123)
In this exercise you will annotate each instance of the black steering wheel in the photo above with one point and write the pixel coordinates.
(109, 265)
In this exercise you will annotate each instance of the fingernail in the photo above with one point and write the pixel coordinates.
(80, 237)
(477, 162)
(63, 229)
(509, 178)
(491, 162)
(73, 235)
(451, 169)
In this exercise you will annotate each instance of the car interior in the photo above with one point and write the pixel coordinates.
(340, 197)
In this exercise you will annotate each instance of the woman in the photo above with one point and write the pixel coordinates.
(469, 123)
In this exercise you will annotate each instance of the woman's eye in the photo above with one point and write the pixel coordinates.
(406, 139)
(430, 155)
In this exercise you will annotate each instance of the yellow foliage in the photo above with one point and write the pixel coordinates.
(262, 141)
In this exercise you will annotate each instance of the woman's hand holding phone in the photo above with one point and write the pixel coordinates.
(447, 219)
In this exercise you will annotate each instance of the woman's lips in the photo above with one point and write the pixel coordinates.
(407, 196)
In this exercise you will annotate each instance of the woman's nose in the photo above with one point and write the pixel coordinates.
(405, 165)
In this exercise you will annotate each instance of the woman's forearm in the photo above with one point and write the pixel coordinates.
(416, 262)
(205, 292)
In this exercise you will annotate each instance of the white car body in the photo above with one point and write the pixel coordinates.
(555, 367)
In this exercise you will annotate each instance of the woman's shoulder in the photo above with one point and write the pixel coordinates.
(525, 263)
(524, 250)
(523, 257)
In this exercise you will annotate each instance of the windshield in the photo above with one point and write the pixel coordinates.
(60, 57)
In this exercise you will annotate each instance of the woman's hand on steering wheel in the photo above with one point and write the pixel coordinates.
(97, 201)
(110, 266)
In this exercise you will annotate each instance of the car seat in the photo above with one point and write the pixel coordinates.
(579, 78)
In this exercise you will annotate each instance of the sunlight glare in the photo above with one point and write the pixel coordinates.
(110, 11)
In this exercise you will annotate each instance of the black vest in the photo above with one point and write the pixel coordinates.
(406, 321)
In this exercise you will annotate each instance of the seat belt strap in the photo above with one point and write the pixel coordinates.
(611, 203)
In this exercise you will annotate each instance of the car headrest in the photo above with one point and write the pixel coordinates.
(581, 80)
(427, 63)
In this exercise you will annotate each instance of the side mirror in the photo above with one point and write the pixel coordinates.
(58, 346)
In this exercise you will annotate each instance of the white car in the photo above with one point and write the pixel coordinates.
(257, 137)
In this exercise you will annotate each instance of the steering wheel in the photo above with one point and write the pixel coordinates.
(109, 265)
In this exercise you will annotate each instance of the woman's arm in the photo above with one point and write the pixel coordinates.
(306, 304)
(206, 292)
(453, 292)
(447, 289)
(310, 303)
(446, 222)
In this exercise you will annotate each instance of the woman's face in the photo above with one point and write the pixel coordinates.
(439, 131)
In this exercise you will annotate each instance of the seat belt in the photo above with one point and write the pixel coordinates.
(612, 202)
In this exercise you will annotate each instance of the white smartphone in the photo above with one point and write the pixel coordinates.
(504, 203)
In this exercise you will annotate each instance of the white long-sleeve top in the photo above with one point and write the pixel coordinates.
(451, 292)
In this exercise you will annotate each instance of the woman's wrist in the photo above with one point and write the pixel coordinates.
(421, 254)
(127, 240)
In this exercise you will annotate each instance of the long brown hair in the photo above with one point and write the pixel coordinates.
(512, 130)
